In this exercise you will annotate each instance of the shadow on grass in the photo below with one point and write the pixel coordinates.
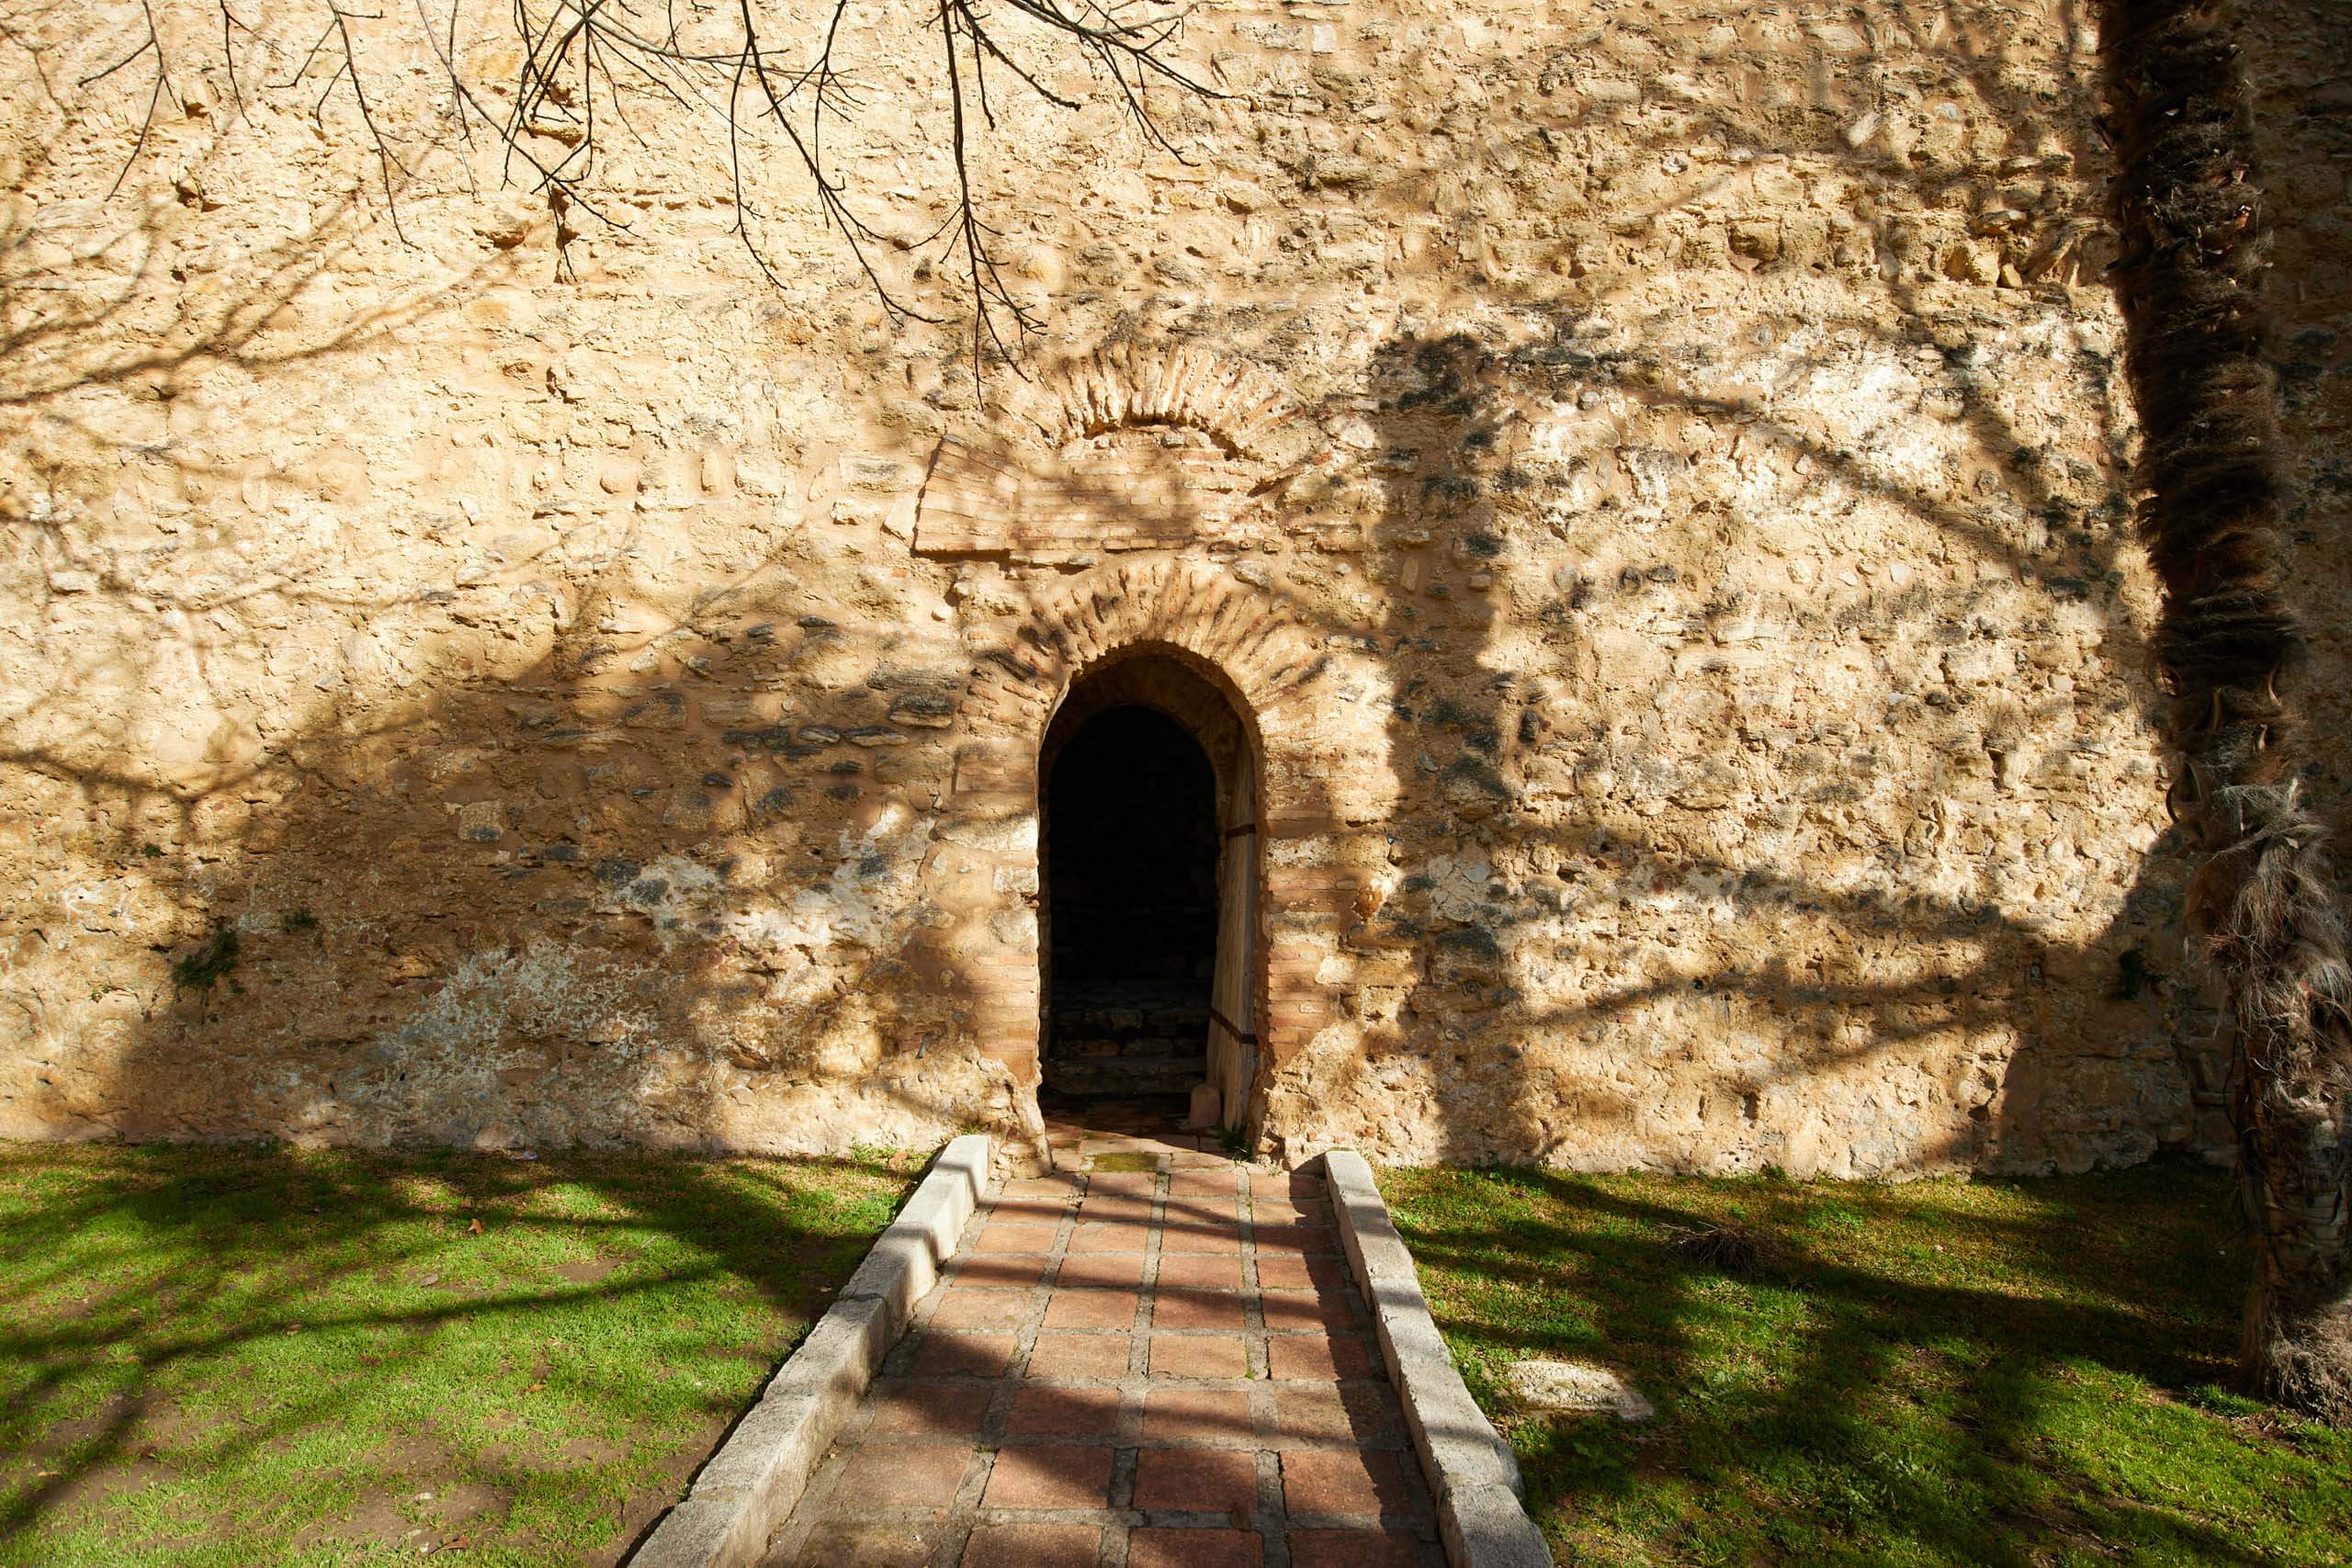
(1981, 1372)
(335, 1357)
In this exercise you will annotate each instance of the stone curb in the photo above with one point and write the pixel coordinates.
(1471, 1469)
(749, 1485)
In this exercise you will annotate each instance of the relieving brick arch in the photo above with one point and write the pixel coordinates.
(1050, 475)
(1315, 777)
(1239, 406)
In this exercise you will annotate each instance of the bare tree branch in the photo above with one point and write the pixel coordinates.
(588, 69)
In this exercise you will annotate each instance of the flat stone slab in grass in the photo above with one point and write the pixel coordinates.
(1576, 1388)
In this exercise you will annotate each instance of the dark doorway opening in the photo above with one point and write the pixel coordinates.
(1131, 863)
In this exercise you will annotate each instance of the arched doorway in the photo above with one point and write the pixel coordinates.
(1147, 796)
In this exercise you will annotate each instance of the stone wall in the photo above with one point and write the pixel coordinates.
(1650, 477)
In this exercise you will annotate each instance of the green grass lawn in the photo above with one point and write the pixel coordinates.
(239, 1356)
(1936, 1373)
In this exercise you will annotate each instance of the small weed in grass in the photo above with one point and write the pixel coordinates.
(1730, 1247)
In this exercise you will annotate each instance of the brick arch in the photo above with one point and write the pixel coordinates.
(1269, 664)
(1233, 402)
(1236, 634)
(1032, 482)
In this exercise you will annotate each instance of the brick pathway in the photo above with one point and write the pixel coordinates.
(1153, 1369)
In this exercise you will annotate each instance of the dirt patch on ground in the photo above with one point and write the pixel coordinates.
(126, 1428)
(469, 1503)
(420, 1457)
(94, 1487)
(434, 1515)
(637, 1516)
(591, 1450)
(379, 1518)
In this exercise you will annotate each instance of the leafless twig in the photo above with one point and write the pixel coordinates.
(585, 65)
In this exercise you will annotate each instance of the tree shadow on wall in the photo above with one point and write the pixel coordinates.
(1638, 883)
(333, 878)
(1543, 821)
(685, 808)
(620, 893)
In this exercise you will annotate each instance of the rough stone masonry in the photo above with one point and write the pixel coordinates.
(1647, 479)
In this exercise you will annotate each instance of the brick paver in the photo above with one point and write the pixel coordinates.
(1124, 1369)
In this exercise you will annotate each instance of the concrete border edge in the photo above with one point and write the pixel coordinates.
(752, 1483)
(1472, 1471)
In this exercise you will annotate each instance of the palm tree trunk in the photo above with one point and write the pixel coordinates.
(2262, 913)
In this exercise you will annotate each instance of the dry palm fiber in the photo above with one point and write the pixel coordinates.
(2261, 913)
